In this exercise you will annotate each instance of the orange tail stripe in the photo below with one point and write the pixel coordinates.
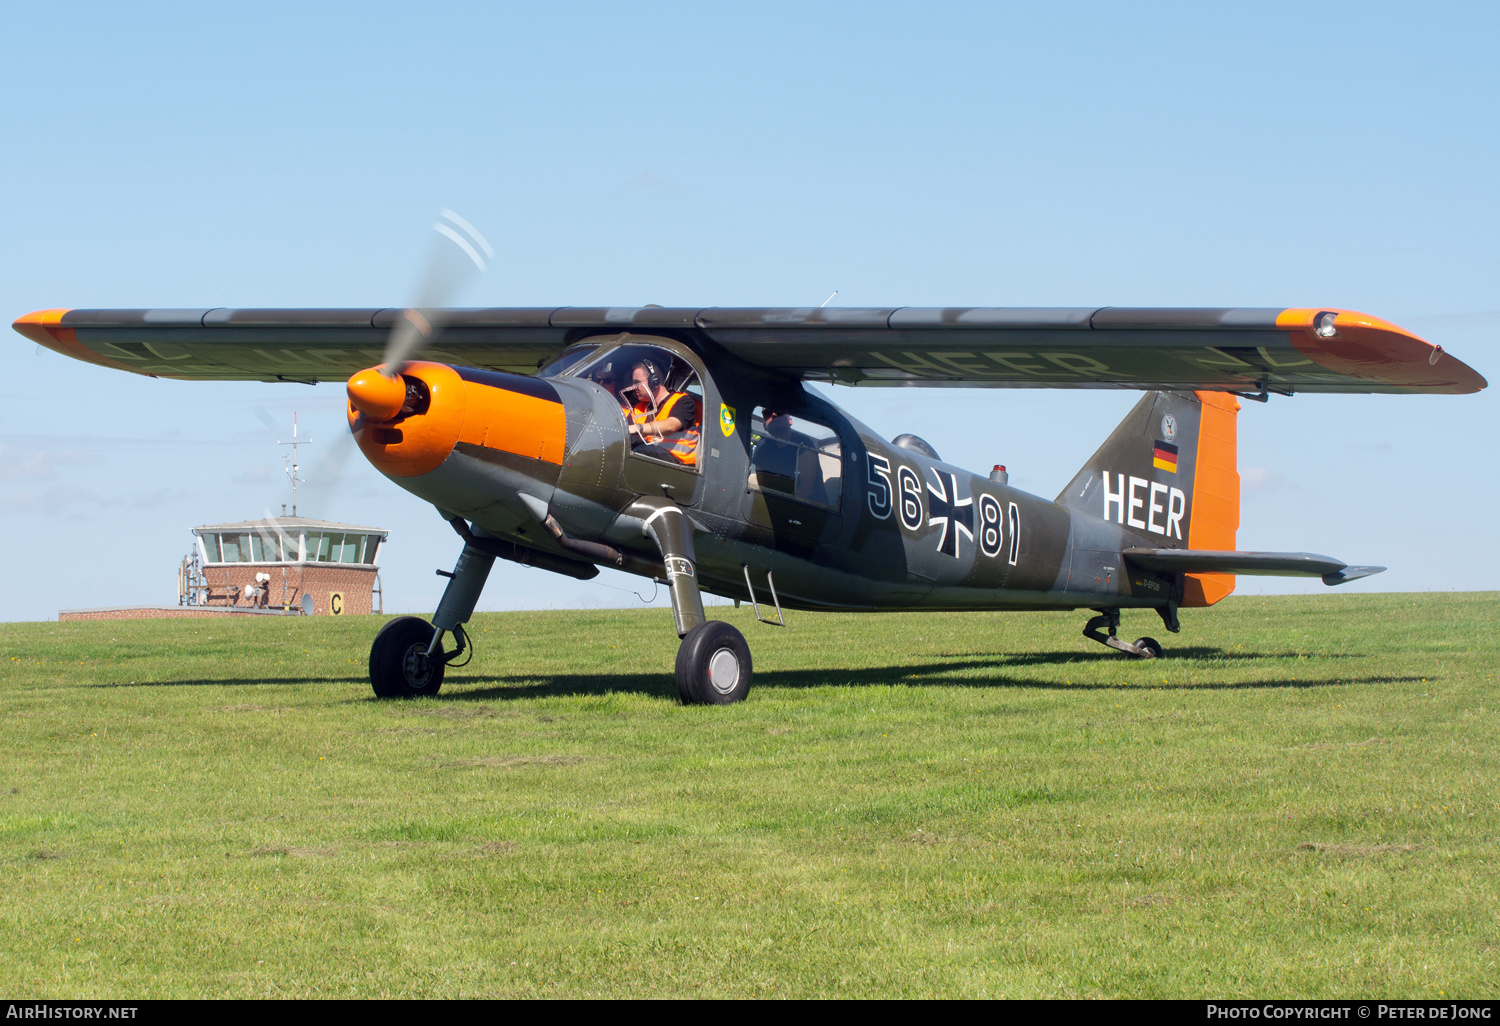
(1215, 517)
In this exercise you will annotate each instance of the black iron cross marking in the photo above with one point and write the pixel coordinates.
(956, 516)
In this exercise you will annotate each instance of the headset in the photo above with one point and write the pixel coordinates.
(653, 374)
(653, 379)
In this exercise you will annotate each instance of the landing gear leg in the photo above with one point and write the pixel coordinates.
(713, 662)
(668, 526)
(407, 659)
(1141, 648)
(464, 585)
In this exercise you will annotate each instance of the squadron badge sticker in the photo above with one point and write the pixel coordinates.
(726, 419)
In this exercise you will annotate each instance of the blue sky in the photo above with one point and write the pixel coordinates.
(701, 154)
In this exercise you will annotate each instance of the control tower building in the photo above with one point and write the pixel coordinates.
(275, 565)
(291, 564)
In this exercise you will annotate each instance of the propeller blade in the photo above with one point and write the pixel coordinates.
(326, 480)
(269, 530)
(458, 255)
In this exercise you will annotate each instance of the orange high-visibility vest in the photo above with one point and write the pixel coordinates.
(684, 446)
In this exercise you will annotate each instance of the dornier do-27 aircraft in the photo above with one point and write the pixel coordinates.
(683, 445)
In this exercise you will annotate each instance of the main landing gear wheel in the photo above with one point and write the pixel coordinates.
(713, 665)
(399, 664)
(1148, 648)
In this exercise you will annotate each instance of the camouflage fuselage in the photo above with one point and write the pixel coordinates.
(906, 532)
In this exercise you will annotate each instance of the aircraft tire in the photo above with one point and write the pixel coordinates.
(713, 665)
(1150, 647)
(399, 667)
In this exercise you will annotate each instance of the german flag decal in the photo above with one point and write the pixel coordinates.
(1164, 457)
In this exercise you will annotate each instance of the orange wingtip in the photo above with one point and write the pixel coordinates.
(1374, 349)
(40, 325)
(45, 327)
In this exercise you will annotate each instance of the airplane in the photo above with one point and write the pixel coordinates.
(683, 445)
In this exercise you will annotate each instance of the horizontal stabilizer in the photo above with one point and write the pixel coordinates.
(1252, 564)
(1351, 573)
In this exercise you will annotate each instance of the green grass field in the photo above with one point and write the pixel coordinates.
(1300, 801)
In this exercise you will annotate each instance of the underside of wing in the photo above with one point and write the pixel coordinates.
(1237, 350)
(1250, 351)
(1253, 564)
(284, 345)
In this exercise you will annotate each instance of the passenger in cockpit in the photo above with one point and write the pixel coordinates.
(608, 379)
(786, 461)
(775, 455)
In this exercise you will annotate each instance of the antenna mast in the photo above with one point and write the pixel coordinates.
(290, 462)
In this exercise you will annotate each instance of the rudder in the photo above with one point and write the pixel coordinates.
(1169, 471)
(1215, 516)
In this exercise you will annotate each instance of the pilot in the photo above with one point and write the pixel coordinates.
(667, 422)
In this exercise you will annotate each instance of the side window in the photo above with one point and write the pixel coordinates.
(660, 400)
(796, 457)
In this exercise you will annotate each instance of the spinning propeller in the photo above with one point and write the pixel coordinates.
(457, 256)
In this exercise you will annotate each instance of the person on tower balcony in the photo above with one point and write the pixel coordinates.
(664, 424)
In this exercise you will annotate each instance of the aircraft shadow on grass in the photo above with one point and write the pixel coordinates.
(233, 682)
(945, 674)
(1175, 655)
(949, 673)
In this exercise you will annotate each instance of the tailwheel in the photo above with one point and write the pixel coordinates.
(1141, 648)
(399, 664)
(713, 665)
(1147, 648)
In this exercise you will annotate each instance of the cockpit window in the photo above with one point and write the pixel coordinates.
(796, 457)
(566, 361)
(660, 400)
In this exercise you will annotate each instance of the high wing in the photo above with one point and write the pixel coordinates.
(1252, 350)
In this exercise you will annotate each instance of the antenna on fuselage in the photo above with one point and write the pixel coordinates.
(828, 300)
(290, 462)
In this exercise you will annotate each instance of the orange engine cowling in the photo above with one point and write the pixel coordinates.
(407, 425)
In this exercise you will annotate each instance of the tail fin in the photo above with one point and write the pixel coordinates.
(1169, 470)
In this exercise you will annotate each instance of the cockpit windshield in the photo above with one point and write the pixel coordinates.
(566, 361)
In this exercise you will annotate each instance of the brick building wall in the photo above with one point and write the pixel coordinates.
(160, 613)
(356, 583)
